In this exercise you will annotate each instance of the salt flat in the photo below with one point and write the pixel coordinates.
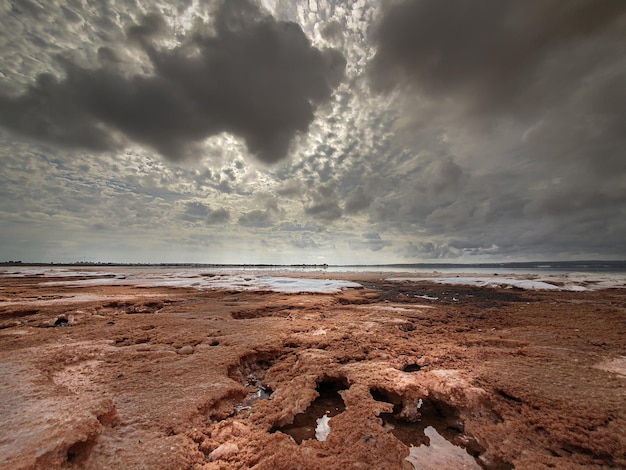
(200, 369)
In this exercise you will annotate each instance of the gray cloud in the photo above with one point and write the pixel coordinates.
(358, 200)
(480, 130)
(370, 241)
(197, 212)
(218, 216)
(429, 250)
(304, 242)
(333, 32)
(257, 218)
(290, 188)
(262, 218)
(255, 77)
(547, 74)
(297, 227)
(516, 114)
(327, 211)
(495, 55)
(323, 203)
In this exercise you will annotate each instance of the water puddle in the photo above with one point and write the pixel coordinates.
(439, 453)
(329, 403)
(435, 436)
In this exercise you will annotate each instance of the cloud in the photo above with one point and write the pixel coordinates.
(333, 32)
(540, 78)
(515, 113)
(254, 77)
(464, 129)
(492, 55)
(304, 241)
(429, 250)
(197, 212)
(358, 200)
(257, 218)
(323, 203)
(290, 188)
(218, 216)
(262, 218)
(370, 241)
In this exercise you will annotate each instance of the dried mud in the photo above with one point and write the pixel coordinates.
(171, 378)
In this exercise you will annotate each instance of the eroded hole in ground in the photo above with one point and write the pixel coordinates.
(250, 372)
(253, 366)
(409, 427)
(61, 321)
(328, 403)
(406, 327)
(78, 452)
(412, 368)
(388, 397)
(116, 304)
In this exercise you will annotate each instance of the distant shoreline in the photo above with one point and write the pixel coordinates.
(586, 265)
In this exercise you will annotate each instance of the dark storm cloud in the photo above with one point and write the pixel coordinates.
(529, 99)
(554, 68)
(327, 211)
(493, 54)
(255, 77)
(333, 32)
(151, 27)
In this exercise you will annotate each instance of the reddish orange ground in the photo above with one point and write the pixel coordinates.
(164, 378)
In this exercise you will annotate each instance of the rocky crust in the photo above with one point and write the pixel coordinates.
(174, 378)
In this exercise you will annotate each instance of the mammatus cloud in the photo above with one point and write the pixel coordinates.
(246, 74)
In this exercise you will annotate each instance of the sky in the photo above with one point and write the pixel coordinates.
(312, 131)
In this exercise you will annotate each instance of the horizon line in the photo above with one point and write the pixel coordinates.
(546, 263)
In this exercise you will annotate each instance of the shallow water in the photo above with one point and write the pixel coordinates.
(440, 454)
(329, 403)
